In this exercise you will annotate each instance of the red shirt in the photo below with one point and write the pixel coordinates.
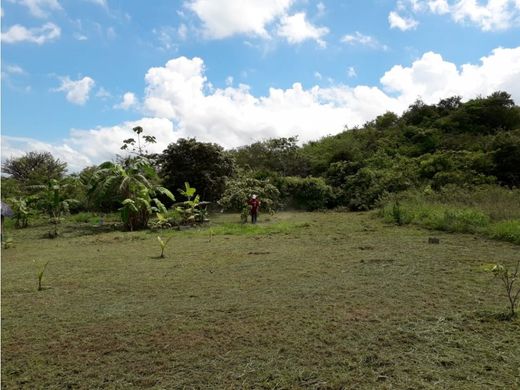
(255, 204)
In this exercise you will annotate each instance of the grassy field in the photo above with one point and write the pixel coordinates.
(302, 300)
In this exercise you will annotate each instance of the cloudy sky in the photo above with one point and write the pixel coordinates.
(77, 75)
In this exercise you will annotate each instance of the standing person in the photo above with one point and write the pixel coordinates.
(254, 203)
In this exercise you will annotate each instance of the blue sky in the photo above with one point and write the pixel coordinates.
(77, 75)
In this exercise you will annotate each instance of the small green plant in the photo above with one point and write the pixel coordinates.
(163, 244)
(40, 276)
(397, 213)
(508, 278)
(244, 214)
(21, 211)
(7, 241)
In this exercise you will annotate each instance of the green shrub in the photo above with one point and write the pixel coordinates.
(240, 189)
(506, 231)
(311, 193)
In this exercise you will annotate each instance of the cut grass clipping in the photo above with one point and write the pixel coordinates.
(332, 300)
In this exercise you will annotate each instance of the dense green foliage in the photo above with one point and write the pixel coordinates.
(136, 187)
(451, 144)
(34, 168)
(204, 165)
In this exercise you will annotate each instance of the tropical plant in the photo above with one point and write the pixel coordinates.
(40, 275)
(135, 185)
(192, 210)
(163, 244)
(53, 202)
(21, 211)
(134, 146)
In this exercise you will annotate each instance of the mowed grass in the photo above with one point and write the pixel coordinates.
(302, 300)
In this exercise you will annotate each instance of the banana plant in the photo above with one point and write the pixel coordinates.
(163, 244)
(21, 211)
(53, 202)
(188, 207)
(40, 275)
(135, 185)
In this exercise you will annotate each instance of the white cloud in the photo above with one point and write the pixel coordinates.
(495, 15)
(103, 94)
(440, 7)
(179, 103)
(432, 78)
(77, 92)
(364, 40)
(13, 69)
(39, 8)
(101, 3)
(297, 29)
(88, 147)
(318, 75)
(351, 71)
(225, 18)
(38, 35)
(491, 15)
(80, 37)
(182, 31)
(402, 23)
(129, 100)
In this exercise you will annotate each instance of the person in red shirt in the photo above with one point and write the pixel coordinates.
(254, 204)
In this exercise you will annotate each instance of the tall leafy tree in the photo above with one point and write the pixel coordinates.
(34, 168)
(276, 155)
(206, 166)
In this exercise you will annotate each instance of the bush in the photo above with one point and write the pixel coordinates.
(239, 190)
(311, 193)
(506, 231)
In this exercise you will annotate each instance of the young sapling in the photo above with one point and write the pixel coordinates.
(508, 278)
(40, 276)
(163, 244)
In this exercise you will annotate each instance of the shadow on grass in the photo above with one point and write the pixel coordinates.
(490, 316)
(85, 229)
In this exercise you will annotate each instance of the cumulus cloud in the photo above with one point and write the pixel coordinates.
(402, 23)
(440, 7)
(225, 18)
(88, 147)
(129, 100)
(433, 78)
(76, 91)
(495, 15)
(38, 35)
(492, 15)
(364, 40)
(297, 29)
(179, 103)
(39, 8)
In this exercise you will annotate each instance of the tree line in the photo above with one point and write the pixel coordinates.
(429, 146)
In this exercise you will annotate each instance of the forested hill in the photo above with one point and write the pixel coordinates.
(451, 142)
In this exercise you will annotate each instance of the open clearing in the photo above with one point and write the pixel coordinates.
(303, 300)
